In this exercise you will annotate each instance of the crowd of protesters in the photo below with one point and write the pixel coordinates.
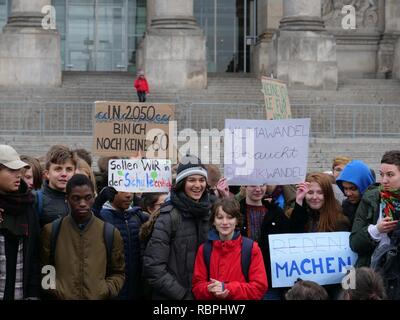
(202, 240)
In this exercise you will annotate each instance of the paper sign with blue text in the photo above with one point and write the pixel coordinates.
(322, 257)
(266, 151)
(145, 175)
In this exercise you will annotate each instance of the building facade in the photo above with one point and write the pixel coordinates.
(177, 42)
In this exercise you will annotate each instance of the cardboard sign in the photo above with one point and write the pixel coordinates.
(132, 129)
(276, 99)
(266, 151)
(322, 257)
(146, 175)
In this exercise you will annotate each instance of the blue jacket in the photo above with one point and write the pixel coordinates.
(357, 173)
(128, 223)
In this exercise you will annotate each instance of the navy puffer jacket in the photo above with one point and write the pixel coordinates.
(128, 223)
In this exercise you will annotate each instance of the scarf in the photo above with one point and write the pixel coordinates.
(390, 203)
(198, 210)
(15, 215)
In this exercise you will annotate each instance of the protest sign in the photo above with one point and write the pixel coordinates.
(322, 257)
(266, 151)
(276, 99)
(132, 129)
(145, 175)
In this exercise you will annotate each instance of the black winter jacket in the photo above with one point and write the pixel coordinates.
(168, 261)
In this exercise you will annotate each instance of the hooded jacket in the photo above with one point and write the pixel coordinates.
(128, 223)
(225, 266)
(359, 174)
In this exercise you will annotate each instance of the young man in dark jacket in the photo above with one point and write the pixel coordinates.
(19, 231)
(127, 220)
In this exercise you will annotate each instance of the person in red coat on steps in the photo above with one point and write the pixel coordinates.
(141, 86)
(226, 279)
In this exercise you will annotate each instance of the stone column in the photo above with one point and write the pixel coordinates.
(29, 54)
(269, 13)
(174, 48)
(387, 45)
(396, 60)
(305, 54)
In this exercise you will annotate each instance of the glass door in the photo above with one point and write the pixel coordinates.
(96, 35)
(111, 46)
(226, 25)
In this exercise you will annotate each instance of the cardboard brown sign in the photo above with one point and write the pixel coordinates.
(276, 99)
(132, 129)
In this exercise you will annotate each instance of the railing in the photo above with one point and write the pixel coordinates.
(328, 121)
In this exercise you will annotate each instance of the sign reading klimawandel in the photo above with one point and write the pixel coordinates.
(266, 151)
(322, 257)
(132, 129)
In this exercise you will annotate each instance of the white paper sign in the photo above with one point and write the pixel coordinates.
(146, 175)
(321, 257)
(266, 151)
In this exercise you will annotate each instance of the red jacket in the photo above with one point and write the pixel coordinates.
(141, 85)
(225, 265)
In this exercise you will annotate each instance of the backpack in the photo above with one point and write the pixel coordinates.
(386, 261)
(108, 234)
(175, 221)
(39, 202)
(247, 246)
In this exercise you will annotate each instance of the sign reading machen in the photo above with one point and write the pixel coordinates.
(132, 129)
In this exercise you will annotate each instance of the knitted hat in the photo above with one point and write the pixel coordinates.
(188, 166)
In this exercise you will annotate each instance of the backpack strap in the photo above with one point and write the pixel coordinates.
(247, 247)
(39, 202)
(55, 230)
(175, 221)
(207, 248)
(108, 241)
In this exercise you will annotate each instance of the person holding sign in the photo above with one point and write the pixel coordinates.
(222, 275)
(378, 214)
(182, 226)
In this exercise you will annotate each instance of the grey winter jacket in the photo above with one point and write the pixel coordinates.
(168, 261)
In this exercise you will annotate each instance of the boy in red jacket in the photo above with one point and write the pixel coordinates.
(141, 85)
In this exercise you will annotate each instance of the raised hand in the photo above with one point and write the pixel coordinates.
(301, 191)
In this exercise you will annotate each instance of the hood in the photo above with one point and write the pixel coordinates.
(109, 206)
(357, 173)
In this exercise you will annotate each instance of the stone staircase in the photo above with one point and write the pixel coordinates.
(357, 104)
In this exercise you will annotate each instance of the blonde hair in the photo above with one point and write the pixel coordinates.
(340, 160)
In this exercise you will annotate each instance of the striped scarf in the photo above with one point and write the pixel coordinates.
(390, 203)
(18, 288)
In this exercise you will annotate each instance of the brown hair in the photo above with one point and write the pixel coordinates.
(37, 173)
(83, 166)
(369, 285)
(330, 213)
(213, 174)
(230, 206)
(84, 154)
(392, 157)
(59, 154)
(306, 290)
(340, 160)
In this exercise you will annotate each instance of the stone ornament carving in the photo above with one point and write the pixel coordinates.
(366, 13)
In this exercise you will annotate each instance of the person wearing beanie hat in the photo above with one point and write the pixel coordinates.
(19, 231)
(354, 179)
(182, 225)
